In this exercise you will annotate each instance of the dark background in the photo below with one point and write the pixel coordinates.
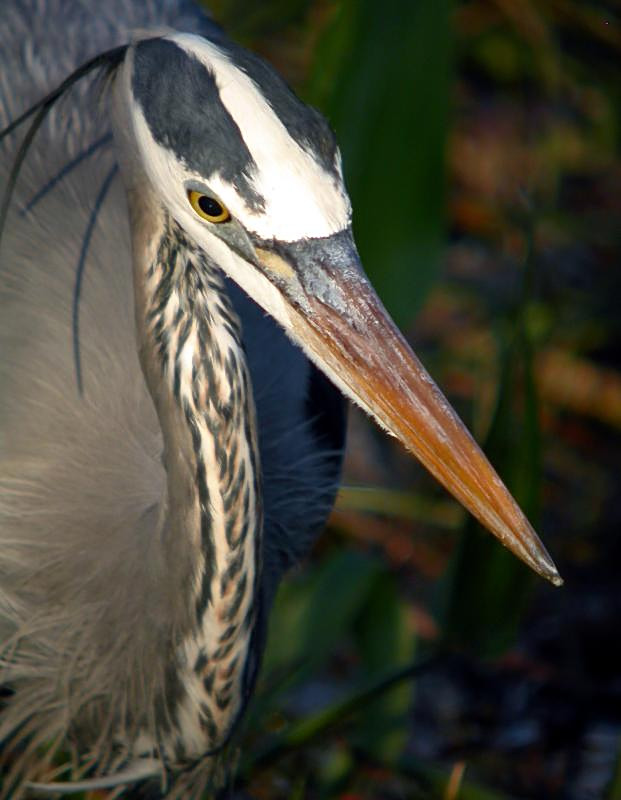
(481, 149)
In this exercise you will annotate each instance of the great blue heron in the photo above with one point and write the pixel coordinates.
(165, 452)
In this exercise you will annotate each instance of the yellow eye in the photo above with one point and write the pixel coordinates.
(208, 207)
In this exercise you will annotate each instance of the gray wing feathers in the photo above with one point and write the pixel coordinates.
(81, 482)
(86, 585)
(80, 476)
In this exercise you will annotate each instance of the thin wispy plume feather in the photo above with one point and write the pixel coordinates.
(39, 111)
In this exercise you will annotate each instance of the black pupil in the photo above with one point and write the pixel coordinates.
(210, 206)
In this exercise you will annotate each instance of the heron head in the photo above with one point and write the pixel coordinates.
(217, 140)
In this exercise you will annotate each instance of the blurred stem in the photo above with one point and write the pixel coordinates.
(488, 587)
(437, 782)
(308, 730)
(614, 792)
(304, 731)
(406, 505)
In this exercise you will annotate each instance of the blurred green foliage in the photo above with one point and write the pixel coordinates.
(384, 80)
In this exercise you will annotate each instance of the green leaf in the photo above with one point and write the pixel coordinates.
(383, 76)
(313, 614)
(385, 639)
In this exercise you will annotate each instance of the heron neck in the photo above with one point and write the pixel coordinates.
(195, 367)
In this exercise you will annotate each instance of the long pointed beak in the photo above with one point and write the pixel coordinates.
(339, 320)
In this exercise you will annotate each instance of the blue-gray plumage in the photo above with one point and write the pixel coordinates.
(182, 308)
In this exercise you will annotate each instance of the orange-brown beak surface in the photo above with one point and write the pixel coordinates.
(343, 326)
